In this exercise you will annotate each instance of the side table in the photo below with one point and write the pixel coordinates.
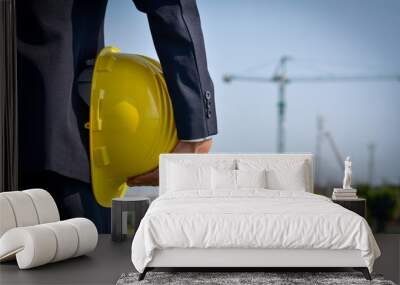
(358, 206)
(126, 214)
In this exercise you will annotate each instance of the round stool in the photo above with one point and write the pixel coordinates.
(126, 214)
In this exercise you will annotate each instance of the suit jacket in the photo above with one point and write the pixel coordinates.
(56, 38)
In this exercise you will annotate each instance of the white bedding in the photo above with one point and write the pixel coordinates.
(250, 218)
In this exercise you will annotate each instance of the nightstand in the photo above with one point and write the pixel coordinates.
(358, 206)
(126, 214)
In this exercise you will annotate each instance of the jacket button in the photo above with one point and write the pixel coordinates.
(209, 114)
(208, 95)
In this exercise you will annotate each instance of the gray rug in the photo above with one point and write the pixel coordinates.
(232, 278)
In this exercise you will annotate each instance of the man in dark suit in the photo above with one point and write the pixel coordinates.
(56, 39)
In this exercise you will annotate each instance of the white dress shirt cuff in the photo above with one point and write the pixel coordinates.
(197, 140)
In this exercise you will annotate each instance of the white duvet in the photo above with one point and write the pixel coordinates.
(250, 219)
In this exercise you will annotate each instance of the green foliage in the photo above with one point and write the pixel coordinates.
(383, 204)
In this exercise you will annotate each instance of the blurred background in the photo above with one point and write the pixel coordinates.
(302, 76)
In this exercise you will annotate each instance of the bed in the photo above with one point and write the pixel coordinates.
(247, 211)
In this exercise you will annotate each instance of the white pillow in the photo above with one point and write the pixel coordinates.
(282, 174)
(291, 179)
(228, 179)
(223, 179)
(183, 177)
(251, 178)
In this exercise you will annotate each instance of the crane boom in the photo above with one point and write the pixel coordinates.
(281, 78)
(276, 79)
(335, 149)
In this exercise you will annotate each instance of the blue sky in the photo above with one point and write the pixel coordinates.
(341, 37)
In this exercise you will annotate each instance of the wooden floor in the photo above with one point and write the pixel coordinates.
(110, 260)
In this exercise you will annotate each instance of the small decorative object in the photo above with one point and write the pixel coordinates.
(347, 192)
(347, 174)
(126, 214)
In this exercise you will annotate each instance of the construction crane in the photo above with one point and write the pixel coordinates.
(321, 135)
(281, 78)
(371, 163)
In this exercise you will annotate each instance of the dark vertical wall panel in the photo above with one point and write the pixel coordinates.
(8, 98)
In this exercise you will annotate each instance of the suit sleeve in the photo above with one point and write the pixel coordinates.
(176, 30)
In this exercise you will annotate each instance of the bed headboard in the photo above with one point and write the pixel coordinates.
(165, 158)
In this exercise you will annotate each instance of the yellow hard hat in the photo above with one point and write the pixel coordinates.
(131, 121)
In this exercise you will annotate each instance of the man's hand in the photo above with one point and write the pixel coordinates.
(151, 178)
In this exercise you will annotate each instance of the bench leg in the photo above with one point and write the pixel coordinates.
(364, 271)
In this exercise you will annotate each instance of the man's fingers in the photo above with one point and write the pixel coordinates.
(146, 179)
(151, 178)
